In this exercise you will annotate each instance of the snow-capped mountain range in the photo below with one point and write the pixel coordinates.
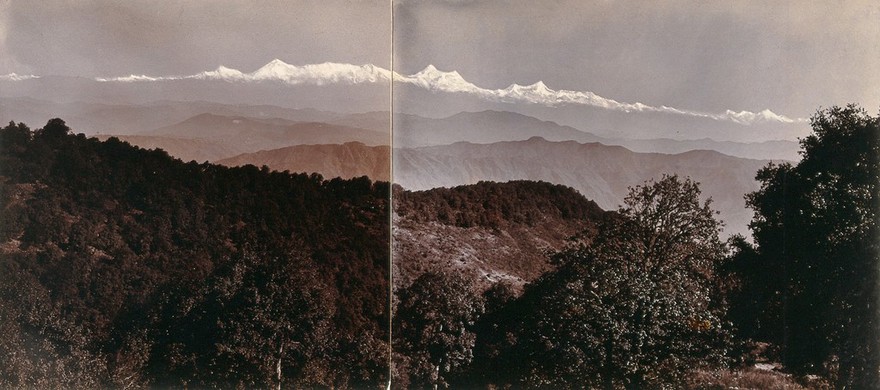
(437, 81)
(17, 77)
(279, 71)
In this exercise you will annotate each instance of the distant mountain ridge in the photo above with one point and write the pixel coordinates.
(266, 133)
(765, 150)
(410, 130)
(599, 172)
(126, 118)
(324, 97)
(495, 126)
(348, 160)
(479, 127)
(186, 149)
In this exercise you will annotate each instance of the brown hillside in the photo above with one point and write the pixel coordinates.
(349, 160)
(490, 231)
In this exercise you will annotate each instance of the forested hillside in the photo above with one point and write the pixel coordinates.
(488, 231)
(124, 267)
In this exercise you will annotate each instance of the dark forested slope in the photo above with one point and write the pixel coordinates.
(121, 266)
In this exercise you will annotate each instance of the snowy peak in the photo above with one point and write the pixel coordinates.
(318, 74)
(436, 80)
(536, 93)
(538, 87)
(274, 69)
(428, 70)
(17, 77)
(748, 117)
(222, 73)
(131, 78)
(432, 72)
(275, 64)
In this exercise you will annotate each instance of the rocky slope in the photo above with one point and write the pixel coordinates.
(489, 231)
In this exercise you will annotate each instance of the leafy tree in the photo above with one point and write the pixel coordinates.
(816, 225)
(42, 347)
(636, 308)
(55, 128)
(492, 364)
(433, 328)
(752, 289)
(260, 321)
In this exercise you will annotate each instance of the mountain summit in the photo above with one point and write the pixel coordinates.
(434, 79)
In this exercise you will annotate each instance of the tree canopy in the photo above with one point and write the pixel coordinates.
(124, 267)
(815, 264)
(433, 331)
(635, 308)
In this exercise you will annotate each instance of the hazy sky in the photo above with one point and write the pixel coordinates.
(707, 56)
(104, 38)
(789, 57)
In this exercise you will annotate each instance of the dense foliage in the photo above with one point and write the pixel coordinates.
(490, 204)
(433, 332)
(636, 307)
(811, 283)
(123, 267)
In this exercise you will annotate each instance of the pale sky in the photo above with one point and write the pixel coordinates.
(790, 57)
(93, 38)
(787, 56)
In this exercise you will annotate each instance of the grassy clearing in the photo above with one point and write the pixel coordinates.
(753, 378)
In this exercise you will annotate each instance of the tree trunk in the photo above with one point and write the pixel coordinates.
(437, 371)
(278, 367)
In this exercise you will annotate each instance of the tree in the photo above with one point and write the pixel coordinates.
(41, 346)
(817, 224)
(636, 308)
(433, 327)
(755, 305)
(55, 129)
(261, 321)
(492, 364)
